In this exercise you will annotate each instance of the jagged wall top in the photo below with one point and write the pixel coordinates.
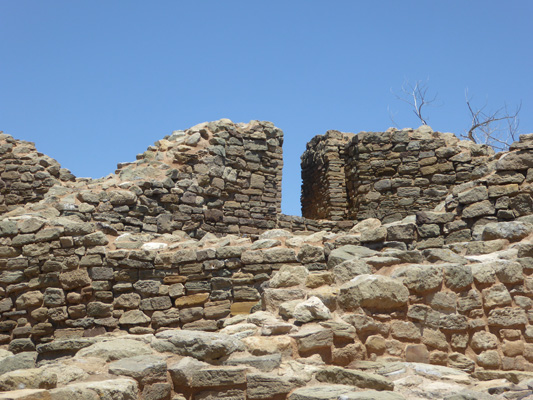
(214, 177)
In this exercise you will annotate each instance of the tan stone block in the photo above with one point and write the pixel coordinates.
(417, 353)
(512, 348)
(435, 338)
(395, 347)
(375, 344)
(263, 345)
(511, 334)
(192, 300)
(170, 279)
(405, 330)
(318, 279)
(242, 307)
(438, 357)
(217, 309)
(489, 359)
(528, 351)
(26, 394)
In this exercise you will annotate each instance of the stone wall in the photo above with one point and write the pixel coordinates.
(183, 238)
(370, 294)
(324, 189)
(387, 175)
(25, 174)
(215, 177)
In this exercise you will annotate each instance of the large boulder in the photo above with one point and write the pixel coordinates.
(373, 291)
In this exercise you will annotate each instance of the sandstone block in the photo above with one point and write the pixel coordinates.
(203, 346)
(74, 279)
(115, 349)
(144, 368)
(366, 380)
(420, 278)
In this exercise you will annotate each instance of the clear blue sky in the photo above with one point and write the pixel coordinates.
(93, 83)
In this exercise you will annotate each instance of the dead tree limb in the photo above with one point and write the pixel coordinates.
(485, 126)
(417, 97)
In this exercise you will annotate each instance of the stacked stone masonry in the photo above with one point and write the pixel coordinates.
(385, 175)
(187, 247)
(323, 173)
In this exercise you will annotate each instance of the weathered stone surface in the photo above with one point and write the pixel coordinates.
(479, 209)
(514, 161)
(473, 195)
(349, 269)
(264, 363)
(33, 378)
(190, 373)
(322, 392)
(347, 252)
(200, 345)
(507, 317)
(420, 278)
(496, 295)
(373, 291)
(360, 379)
(458, 277)
(144, 368)
(127, 300)
(374, 395)
(289, 276)
(460, 361)
(65, 345)
(112, 389)
(115, 349)
(157, 391)
(310, 310)
(269, 345)
(483, 340)
(19, 361)
(74, 279)
(29, 299)
(134, 317)
(266, 386)
(512, 231)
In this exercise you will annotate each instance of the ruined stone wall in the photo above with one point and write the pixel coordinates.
(216, 177)
(181, 238)
(324, 190)
(61, 278)
(393, 174)
(25, 174)
(385, 175)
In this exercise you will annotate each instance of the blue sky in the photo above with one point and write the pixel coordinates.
(93, 83)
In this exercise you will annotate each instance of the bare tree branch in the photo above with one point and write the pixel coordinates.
(485, 127)
(391, 117)
(497, 129)
(417, 97)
